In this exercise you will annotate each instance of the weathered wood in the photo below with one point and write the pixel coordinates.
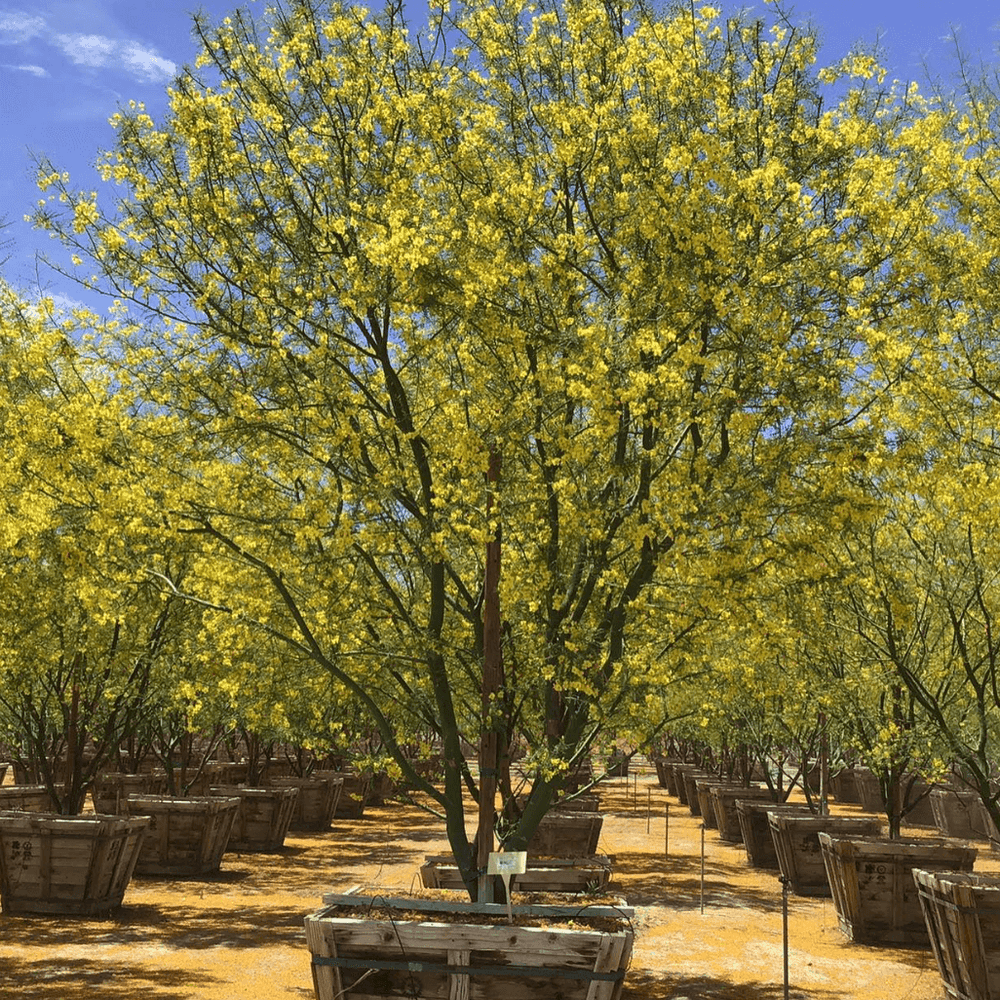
(796, 844)
(571, 875)
(691, 779)
(958, 813)
(316, 802)
(872, 884)
(843, 785)
(72, 865)
(665, 773)
(724, 798)
(112, 789)
(566, 833)
(962, 915)
(354, 793)
(187, 836)
(706, 806)
(263, 818)
(756, 829)
(363, 959)
(26, 798)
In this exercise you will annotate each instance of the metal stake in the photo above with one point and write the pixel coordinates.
(703, 868)
(649, 801)
(666, 829)
(784, 927)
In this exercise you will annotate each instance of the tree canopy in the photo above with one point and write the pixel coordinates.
(629, 294)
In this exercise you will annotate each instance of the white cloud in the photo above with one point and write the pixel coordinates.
(145, 64)
(95, 51)
(33, 70)
(87, 50)
(16, 27)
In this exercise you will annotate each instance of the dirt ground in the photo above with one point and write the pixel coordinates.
(239, 933)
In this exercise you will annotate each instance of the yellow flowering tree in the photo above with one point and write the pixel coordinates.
(579, 285)
(82, 630)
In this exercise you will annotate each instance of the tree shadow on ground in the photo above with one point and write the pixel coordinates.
(171, 927)
(675, 881)
(643, 984)
(80, 979)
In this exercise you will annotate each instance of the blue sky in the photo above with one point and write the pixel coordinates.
(65, 66)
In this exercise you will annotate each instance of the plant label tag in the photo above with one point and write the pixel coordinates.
(507, 863)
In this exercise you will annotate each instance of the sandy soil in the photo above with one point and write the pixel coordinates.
(239, 934)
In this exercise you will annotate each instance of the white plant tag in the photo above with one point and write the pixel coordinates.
(505, 864)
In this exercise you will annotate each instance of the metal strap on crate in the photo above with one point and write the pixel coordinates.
(540, 971)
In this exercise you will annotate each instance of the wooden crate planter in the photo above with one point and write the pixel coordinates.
(843, 785)
(706, 801)
(573, 875)
(315, 804)
(354, 793)
(796, 843)
(664, 774)
(617, 766)
(263, 818)
(71, 865)
(581, 775)
(724, 799)
(756, 829)
(871, 881)
(26, 798)
(962, 915)
(382, 788)
(581, 802)
(418, 953)
(872, 799)
(691, 779)
(3, 770)
(111, 790)
(680, 786)
(958, 813)
(566, 834)
(187, 836)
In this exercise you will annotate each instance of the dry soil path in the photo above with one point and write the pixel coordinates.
(238, 935)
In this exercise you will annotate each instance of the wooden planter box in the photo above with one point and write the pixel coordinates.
(796, 843)
(617, 767)
(724, 799)
(354, 793)
(706, 801)
(73, 865)
(691, 779)
(3, 770)
(843, 785)
(871, 880)
(382, 787)
(26, 798)
(962, 915)
(680, 787)
(418, 954)
(959, 814)
(573, 875)
(263, 818)
(111, 790)
(665, 774)
(756, 829)
(187, 836)
(580, 776)
(567, 834)
(872, 799)
(316, 803)
(588, 802)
